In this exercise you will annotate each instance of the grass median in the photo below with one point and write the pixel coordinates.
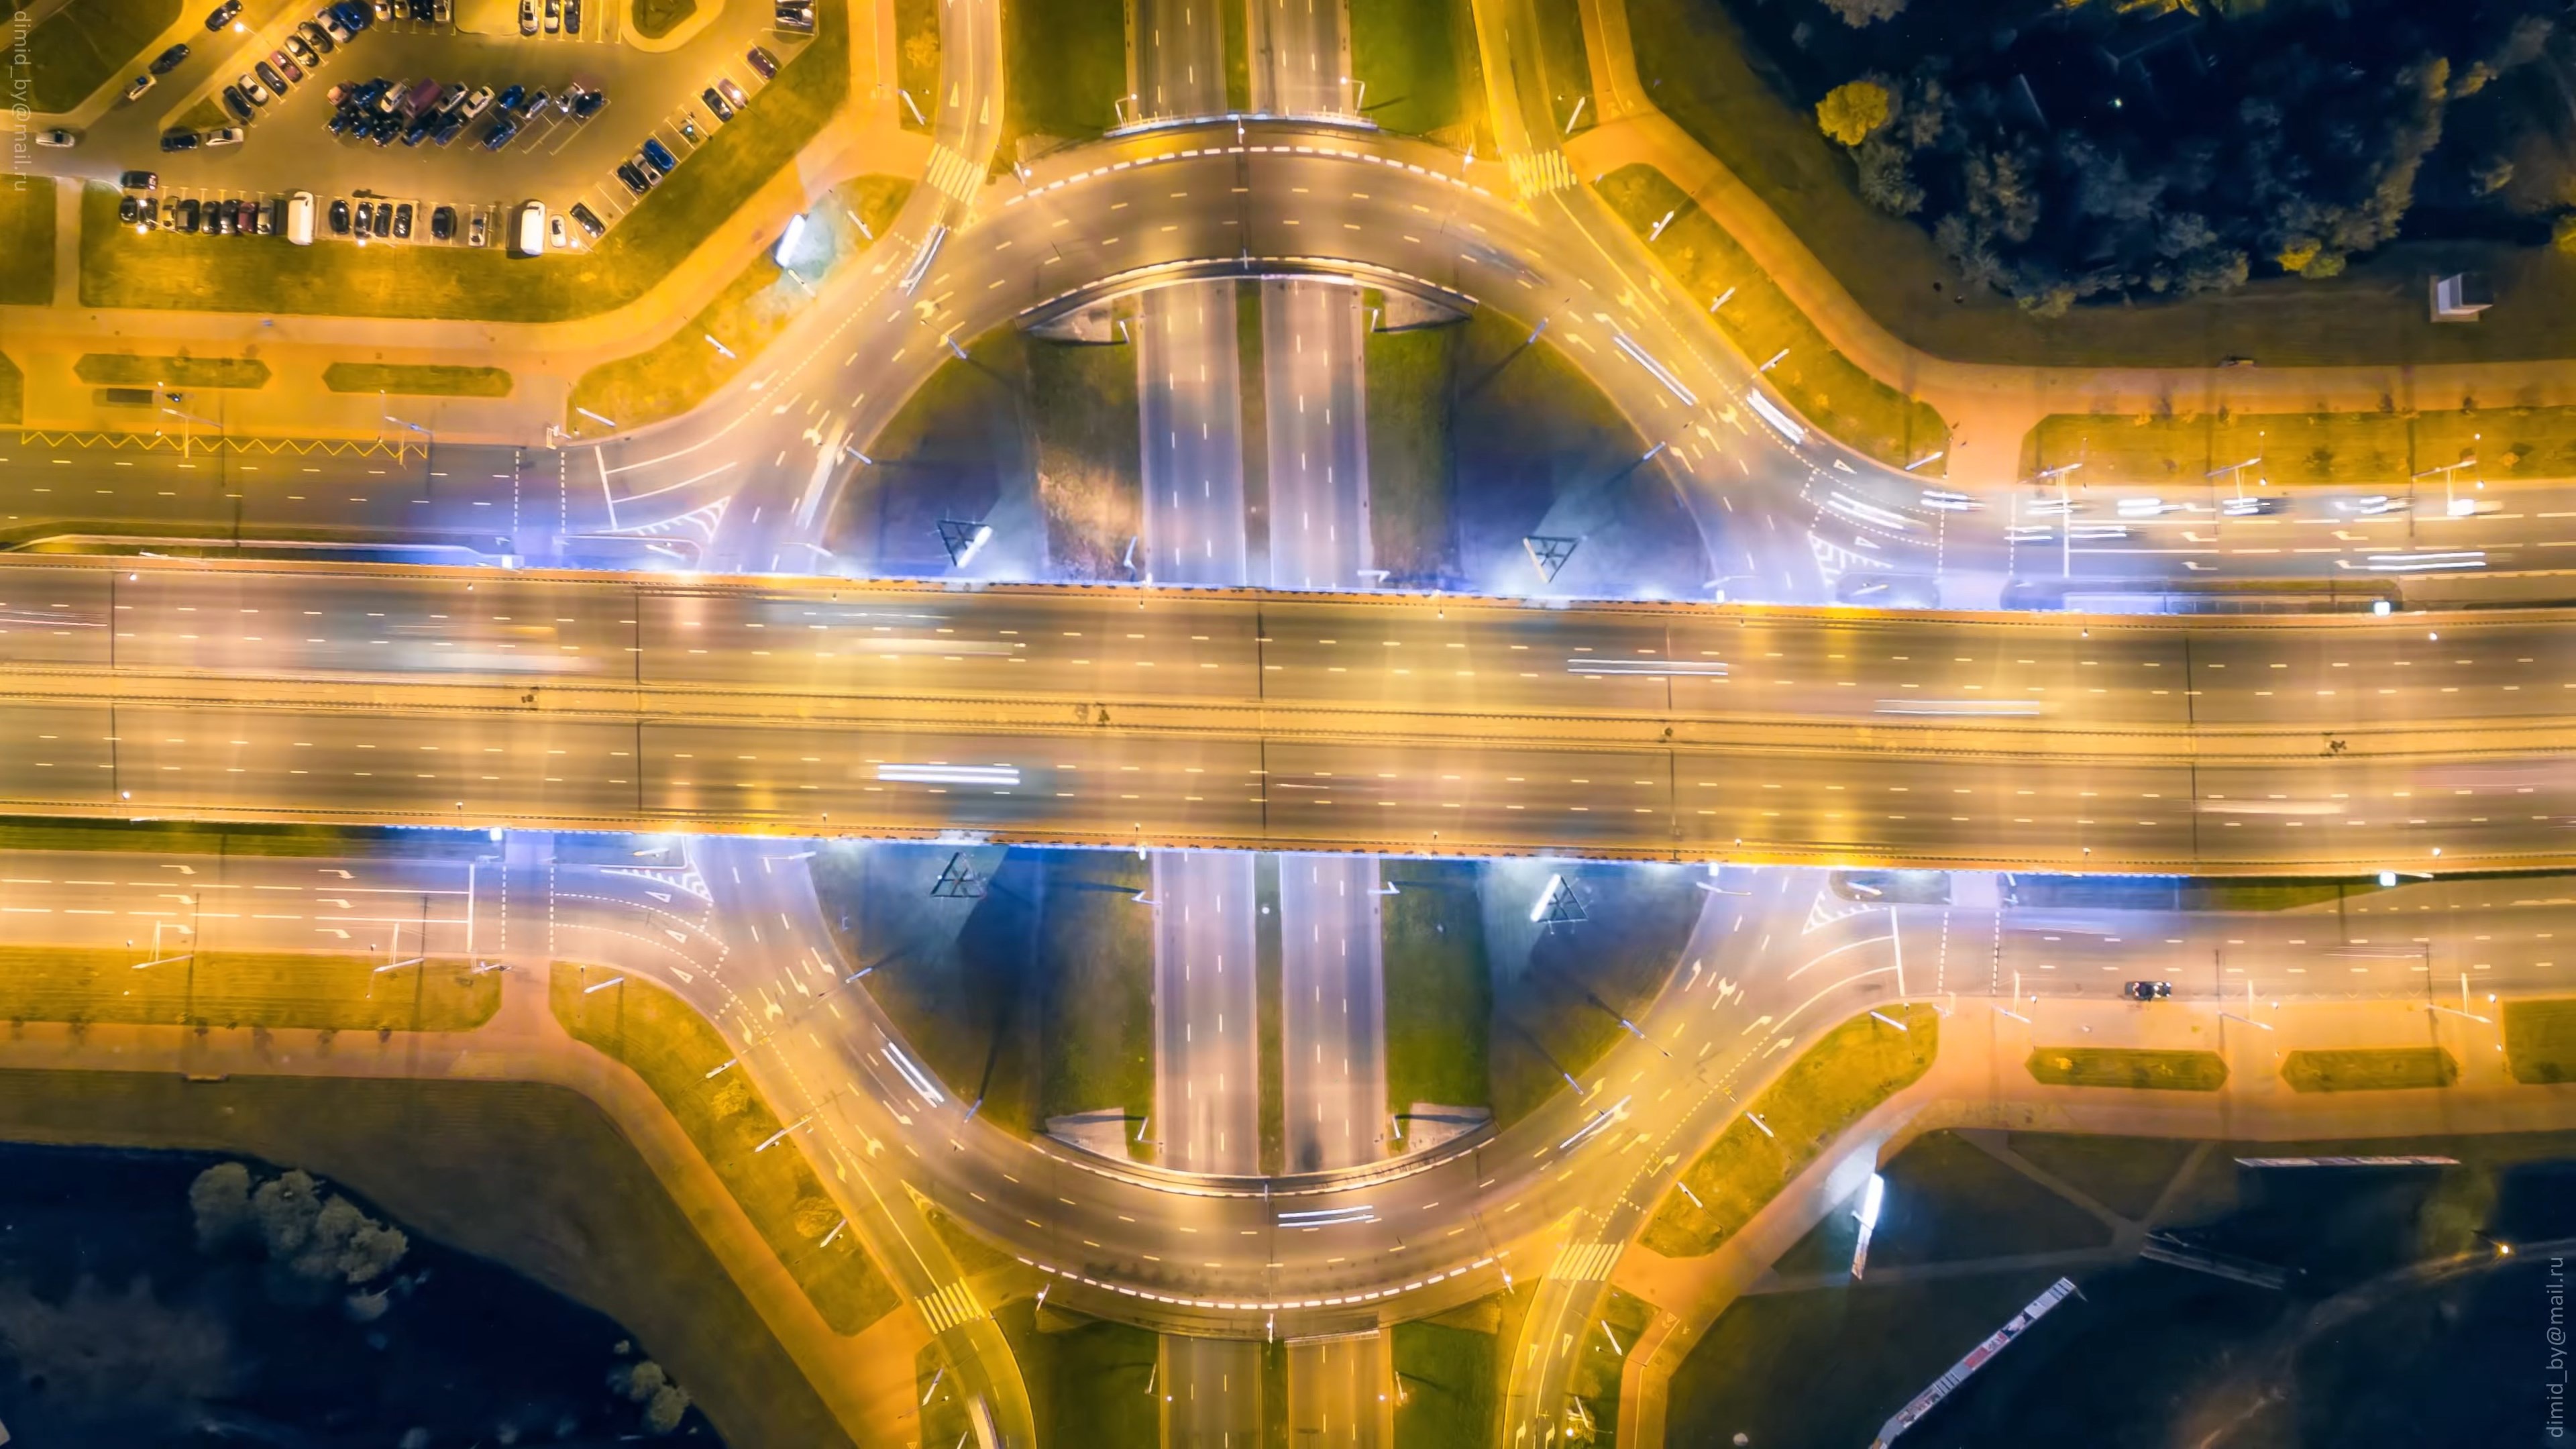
(231, 989)
(1439, 990)
(2137, 1068)
(728, 334)
(416, 379)
(1828, 389)
(27, 233)
(121, 369)
(1064, 64)
(1445, 1372)
(2373, 449)
(2369, 1069)
(340, 278)
(682, 1058)
(1850, 1070)
(86, 43)
(916, 61)
(2540, 1040)
(1416, 61)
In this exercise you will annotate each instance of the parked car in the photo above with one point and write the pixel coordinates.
(385, 218)
(442, 12)
(509, 99)
(448, 127)
(383, 130)
(249, 86)
(270, 77)
(366, 221)
(354, 15)
(527, 17)
(554, 16)
(420, 127)
(402, 221)
(763, 62)
(2147, 990)
(237, 103)
(222, 15)
(318, 38)
(332, 25)
(447, 95)
(588, 104)
(188, 215)
(128, 208)
(533, 104)
(653, 174)
(479, 102)
(717, 105)
(141, 84)
(340, 217)
(384, 9)
(589, 219)
(442, 223)
(178, 140)
(264, 216)
(225, 136)
(660, 155)
(732, 92)
(58, 138)
(572, 17)
(555, 236)
(168, 60)
(302, 54)
(500, 133)
(795, 18)
(475, 234)
(628, 172)
(140, 181)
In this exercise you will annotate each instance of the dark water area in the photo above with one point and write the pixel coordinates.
(118, 1331)
(2425, 1307)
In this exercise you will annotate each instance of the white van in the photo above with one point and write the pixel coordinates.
(532, 229)
(299, 218)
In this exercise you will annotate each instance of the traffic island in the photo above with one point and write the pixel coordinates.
(416, 379)
(2370, 1069)
(2135, 1068)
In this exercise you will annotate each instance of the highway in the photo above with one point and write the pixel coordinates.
(1264, 721)
(1191, 415)
(1207, 1004)
(1317, 410)
(1332, 976)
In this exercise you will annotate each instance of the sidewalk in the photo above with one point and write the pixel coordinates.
(1991, 407)
(1980, 1081)
(866, 1381)
(544, 359)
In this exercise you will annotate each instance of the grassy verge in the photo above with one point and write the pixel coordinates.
(81, 46)
(1827, 388)
(2540, 1040)
(1439, 991)
(27, 233)
(1560, 1014)
(120, 369)
(1252, 388)
(656, 18)
(1411, 529)
(2134, 1067)
(242, 989)
(916, 61)
(416, 380)
(1088, 1381)
(1593, 1376)
(1082, 401)
(205, 115)
(1853, 1068)
(187, 837)
(680, 372)
(533, 1177)
(166, 269)
(1064, 69)
(1444, 1385)
(1095, 955)
(674, 1049)
(1269, 1009)
(2375, 1069)
(1565, 64)
(2383, 448)
(1955, 1202)
(1417, 60)
(13, 392)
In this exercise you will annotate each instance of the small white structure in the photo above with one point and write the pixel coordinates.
(2461, 296)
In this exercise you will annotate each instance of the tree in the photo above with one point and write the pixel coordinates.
(220, 1199)
(285, 1208)
(2562, 235)
(663, 1411)
(1884, 180)
(1851, 111)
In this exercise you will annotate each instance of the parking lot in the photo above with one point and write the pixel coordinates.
(555, 158)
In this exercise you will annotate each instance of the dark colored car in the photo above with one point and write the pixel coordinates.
(2147, 990)
(660, 154)
(385, 218)
(316, 37)
(366, 221)
(716, 103)
(588, 105)
(222, 15)
(402, 221)
(418, 131)
(534, 103)
(140, 181)
(442, 222)
(269, 77)
(188, 215)
(352, 16)
(237, 103)
(633, 177)
(500, 132)
(341, 121)
(340, 217)
(128, 208)
(178, 140)
(247, 215)
(572, 17)
(448, 128)
(509, 99)
(168, 60)
(385, 129)
(589, 220)
(763, 62)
